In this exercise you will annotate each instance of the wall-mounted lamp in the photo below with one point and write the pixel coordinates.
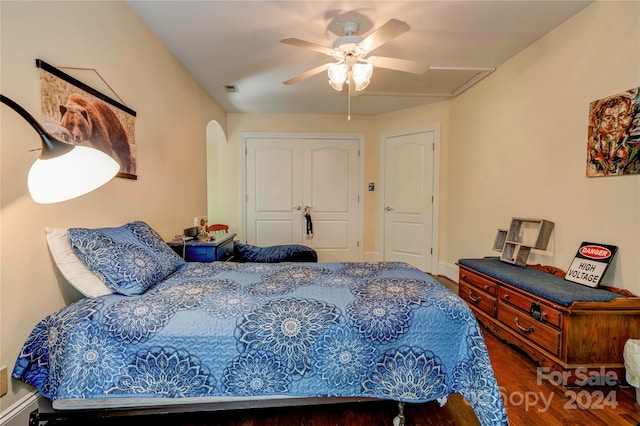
(64, 171)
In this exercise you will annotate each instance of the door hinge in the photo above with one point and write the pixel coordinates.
(357, 243)
(431, 250)
(246, 151)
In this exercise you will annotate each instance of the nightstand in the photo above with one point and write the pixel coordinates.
(198, 251)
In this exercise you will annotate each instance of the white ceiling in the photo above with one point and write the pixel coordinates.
(238, 43)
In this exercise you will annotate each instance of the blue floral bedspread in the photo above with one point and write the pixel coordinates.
(382, 330)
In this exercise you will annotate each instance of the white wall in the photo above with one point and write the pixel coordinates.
(518, 141)
(172, 114)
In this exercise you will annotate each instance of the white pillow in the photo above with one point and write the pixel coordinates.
(70, 265)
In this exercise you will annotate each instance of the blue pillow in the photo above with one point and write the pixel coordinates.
(273, 254)
(131, 258)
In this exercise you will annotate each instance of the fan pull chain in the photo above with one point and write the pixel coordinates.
(349, 104)
(349, 80)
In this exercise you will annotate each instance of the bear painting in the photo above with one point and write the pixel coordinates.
(91, 122)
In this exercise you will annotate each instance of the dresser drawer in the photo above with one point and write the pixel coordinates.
(478, 298)
(548, 314)
(479, 282)
(224, 252)
(200, 253)
(531, 329)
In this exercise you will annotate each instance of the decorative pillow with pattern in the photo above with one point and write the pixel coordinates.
(131, 258)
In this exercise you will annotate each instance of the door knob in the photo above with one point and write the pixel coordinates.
(388, 208)
(298, 207)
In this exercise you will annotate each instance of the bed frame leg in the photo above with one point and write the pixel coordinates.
(399, 419)
(33, 418)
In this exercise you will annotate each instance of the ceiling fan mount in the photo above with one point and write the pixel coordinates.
(350, 27)
(348, 45)
(350, 35)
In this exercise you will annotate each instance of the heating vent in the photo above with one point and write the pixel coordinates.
(231, 88)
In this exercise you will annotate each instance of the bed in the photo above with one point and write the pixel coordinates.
(162, 332)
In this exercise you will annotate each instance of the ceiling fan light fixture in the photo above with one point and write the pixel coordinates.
(337, 75)
(361, 74)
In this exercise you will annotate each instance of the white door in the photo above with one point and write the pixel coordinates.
(408, 198)
(274, 191)
(331, 191)
(285, 175)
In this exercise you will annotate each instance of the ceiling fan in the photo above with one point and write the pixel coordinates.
(353, 66)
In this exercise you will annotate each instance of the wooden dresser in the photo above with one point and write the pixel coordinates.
(567, 327)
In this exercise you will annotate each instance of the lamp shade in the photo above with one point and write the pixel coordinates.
(337, 75)
(63, 171)
(362, 75)
(71, 175)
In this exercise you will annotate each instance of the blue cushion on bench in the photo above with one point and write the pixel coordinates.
(547, 286)
(273, 254)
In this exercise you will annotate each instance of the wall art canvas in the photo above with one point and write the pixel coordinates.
(78, 114)
(613, 146)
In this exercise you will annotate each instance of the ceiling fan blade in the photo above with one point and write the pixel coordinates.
(308, 45)
(308, 74)
(414, 67)
(392, 29)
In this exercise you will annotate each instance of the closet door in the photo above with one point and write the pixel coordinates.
(330, 177)
(274, 191)
(284, 175)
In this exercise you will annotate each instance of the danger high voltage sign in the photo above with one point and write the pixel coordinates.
(590, 263)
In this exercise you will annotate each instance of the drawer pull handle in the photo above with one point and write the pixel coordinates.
(486, 287)
(521, 328)
(475, 299)
(506, 296)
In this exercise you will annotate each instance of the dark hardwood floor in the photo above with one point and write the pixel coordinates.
(528, 402)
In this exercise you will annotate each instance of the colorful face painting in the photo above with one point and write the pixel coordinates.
(613, 147)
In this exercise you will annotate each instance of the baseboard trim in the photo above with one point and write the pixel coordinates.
(18, 413)
(370, 256)
(449, 270)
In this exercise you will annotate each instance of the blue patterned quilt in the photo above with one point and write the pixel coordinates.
(381, 330)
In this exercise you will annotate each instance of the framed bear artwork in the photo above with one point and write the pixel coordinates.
(78, 114)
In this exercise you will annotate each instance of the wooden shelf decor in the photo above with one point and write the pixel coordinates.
(501, 238)
(523, 235)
